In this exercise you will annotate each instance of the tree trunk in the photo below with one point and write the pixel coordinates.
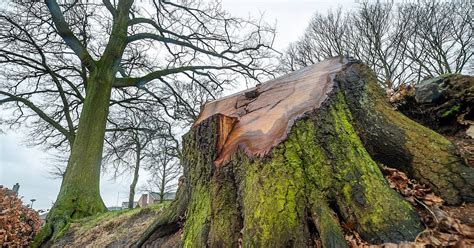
(133, 185)
(79, 195)
(286, 163)
(163, 183)
(396, 141)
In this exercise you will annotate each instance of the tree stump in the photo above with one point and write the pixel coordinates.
(293, 159)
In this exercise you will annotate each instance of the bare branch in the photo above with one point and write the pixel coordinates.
(68, 36)
(140, 81)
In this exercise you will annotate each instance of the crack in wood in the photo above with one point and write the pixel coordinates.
(266, 113)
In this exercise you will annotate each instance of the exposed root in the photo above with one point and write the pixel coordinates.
(170, 221)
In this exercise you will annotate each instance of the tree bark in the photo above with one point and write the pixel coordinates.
(396, 141)
(133, 185)
(79, 195)
(286, 163)
(163, 183)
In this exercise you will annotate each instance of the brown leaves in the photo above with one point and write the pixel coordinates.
(465, 148)
(446, 226)
(410, 189)
(395, 97)
(443, 229)
(446, 230)
(353, 239)
(18, 224)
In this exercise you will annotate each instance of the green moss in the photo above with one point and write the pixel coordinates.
(61, 233)
(273, 199)
(453, 110)
(331, 233)
(198, 164)
(315, 164)
(445, 173)
(225, 217)
(318, 175)
(366, 193)
(321, 163)
(197, 222)
(199, 154)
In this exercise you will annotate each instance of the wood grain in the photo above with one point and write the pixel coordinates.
(260, 118)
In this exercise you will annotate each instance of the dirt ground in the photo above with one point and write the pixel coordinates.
(111, 229)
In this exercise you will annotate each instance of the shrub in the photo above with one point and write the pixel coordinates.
(18, 224)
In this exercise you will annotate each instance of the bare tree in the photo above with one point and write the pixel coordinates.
(379, 36)
(402, 43)
(441, 39)
(129, 142)
(40, 87)
(324, 37)
(164, 168)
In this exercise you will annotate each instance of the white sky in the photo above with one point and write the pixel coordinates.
(29, 166)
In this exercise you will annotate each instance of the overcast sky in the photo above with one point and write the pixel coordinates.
(29, 166)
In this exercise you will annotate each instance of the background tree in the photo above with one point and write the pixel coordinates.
(378, 40)
(325, 37)
(402, 43)
(440, 37)
(130, 142)
(40, 87)
(164, 168)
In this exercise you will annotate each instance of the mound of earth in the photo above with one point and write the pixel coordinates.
(111, 229)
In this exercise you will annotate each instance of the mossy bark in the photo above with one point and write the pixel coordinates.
(323, 175)
(396, 141)
(316, 179)
(79, 195)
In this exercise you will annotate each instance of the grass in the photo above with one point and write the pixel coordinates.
(114, 228)
(90, 222)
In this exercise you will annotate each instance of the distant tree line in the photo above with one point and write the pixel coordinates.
(401, 42)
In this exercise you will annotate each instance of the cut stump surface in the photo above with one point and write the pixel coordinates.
(264, 114)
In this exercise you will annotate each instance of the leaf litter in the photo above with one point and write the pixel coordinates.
(445, 226)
